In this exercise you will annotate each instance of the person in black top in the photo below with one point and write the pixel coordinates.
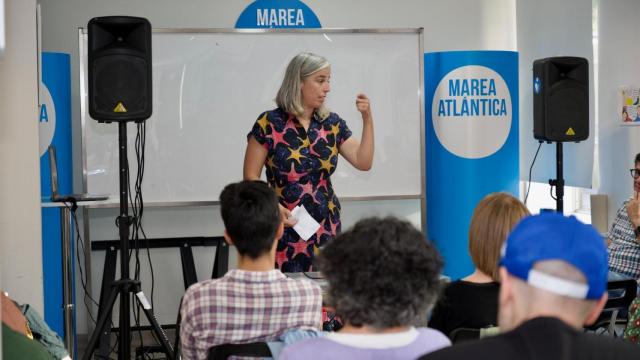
(472, 302)
(553, 282)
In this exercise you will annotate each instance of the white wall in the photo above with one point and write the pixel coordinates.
(618, 54)
(449, 25)
(553, 28)
(20, 223)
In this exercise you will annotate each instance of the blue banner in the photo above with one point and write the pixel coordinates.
(471, 143)
(55, 128)
(277, 14)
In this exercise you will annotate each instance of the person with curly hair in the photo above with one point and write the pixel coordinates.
(383, 277)
(472, 302)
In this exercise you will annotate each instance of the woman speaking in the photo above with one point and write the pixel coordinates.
(299, 143)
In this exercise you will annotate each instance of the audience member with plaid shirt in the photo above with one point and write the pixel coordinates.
(624, 248)
(255, 302)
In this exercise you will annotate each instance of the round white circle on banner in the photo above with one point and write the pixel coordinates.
(47, 119)
(471, 111)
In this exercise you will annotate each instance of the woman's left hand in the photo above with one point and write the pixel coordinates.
(363, 106)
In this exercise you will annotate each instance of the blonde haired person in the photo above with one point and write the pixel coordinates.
(472, 302)
(298, 143)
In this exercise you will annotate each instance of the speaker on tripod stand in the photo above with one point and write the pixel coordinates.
(560, 107)
(120, 91)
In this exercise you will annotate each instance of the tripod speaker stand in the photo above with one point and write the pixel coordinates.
(120, 90)
(560, 107)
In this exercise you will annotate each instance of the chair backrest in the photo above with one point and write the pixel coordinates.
(464, 334)
(223, 352)
(621, 294)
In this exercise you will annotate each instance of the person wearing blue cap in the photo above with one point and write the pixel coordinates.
(553, 282)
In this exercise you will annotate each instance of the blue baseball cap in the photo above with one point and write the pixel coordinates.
(552, 236)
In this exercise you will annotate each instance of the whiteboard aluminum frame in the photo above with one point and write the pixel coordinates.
(419, 31)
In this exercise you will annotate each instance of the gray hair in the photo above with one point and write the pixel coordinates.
(289, 96)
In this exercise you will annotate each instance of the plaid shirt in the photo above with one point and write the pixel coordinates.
(244, 307)
(624, 250)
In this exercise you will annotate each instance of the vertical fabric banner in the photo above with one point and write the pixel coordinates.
(472, 143)
(55, 128)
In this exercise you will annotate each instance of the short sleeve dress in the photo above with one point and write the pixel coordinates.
(299, 165)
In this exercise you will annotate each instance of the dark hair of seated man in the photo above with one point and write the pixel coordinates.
(251, 216)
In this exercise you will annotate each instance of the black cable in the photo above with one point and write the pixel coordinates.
(142, 127)
(530, 170)
(308, 275)
(134, 235)
(80, 245)
(551, 193)
(141, 203)
(137, 206)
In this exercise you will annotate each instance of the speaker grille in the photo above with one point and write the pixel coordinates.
(568, 108)
(120, 79)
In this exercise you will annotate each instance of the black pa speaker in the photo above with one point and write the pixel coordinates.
(561, 99)
(119, 68)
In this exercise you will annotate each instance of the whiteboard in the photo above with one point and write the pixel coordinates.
(209, 86)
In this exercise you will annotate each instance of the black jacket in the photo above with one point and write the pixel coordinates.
(541, 339)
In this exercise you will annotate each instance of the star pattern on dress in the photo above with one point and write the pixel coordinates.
(278, 138)
(299, 247)
(322, 183)
(313, 152)
(321, 230)
(291, 205)
(307, 188)
(264, 123)
(331, 206)
(334, 151)
(278, 190)
(335, 129)
(326, 164)
(281, 258)
(296, 160)
(296, 155)
(293, 169)
(322, 134)
(270, 162)
(334, 226)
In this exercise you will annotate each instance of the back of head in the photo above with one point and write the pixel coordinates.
(535, 299)
(251, 216)
(553, 266)
(289, 97)
(382, 273)
(493, 219)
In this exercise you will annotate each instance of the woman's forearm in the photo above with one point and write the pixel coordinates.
(365, 150)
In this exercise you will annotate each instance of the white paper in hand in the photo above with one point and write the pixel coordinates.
(306, 225)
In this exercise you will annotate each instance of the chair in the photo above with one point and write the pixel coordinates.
(464, 334)
(223, 352)
(621, 294)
